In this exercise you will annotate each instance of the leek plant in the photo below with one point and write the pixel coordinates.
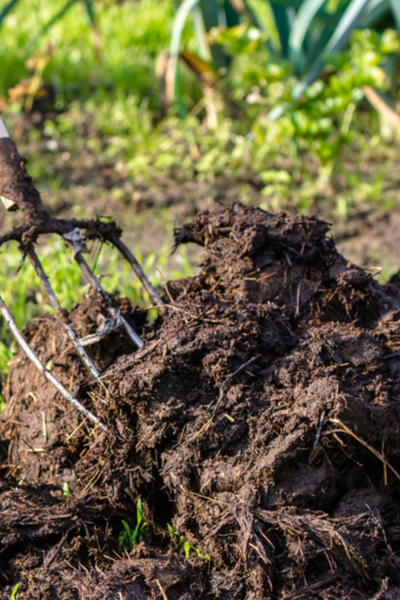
(310, 32)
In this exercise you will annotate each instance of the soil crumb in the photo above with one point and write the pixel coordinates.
(253, 444)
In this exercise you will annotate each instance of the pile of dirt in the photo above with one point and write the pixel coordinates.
(259, 426)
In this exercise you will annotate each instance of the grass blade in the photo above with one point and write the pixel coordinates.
(90, 11)
(126, 527)
(177, 30)
(53, 20)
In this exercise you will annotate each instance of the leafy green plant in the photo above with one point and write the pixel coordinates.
(131, 537)
(179, 542)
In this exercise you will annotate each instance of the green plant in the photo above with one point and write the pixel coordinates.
(179, 542)
(131, 537)
(131, 34)
(14, 595)
(66, 491)
(310, 33)
(9, 6)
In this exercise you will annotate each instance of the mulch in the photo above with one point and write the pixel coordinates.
(259, 426)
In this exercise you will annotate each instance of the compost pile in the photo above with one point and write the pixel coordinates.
(259, 426)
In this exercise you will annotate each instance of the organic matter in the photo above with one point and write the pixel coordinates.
(260, 421)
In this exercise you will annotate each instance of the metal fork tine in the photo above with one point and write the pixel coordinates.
(33, 257)
(125, 251)
(91, 278)
(49, 376)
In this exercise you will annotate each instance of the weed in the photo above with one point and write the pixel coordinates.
(14, 595)
(66, 491)
(179, 542)
(131, 537)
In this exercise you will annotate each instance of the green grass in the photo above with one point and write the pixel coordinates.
(21, 290)
(14, 595)
(132, 34)
(128, 538)
(326, 150)
(179, 542)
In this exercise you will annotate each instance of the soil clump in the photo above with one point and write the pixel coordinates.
(259, 426)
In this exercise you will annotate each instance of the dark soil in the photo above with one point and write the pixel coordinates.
(261, 422)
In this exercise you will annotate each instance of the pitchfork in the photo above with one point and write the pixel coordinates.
(18, 193)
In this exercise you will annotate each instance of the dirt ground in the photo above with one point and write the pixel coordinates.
(259, 426)
(150, 210)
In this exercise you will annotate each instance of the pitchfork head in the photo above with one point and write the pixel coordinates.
(17, 192)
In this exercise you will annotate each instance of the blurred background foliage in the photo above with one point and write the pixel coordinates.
(298, 99)
(243, 83)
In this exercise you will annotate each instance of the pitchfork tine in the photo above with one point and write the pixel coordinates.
(91, 278)
(123, 248)
(38, 364)
(30, 251)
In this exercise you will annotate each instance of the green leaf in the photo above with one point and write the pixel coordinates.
(374, 11)
(298, 31)
(187, 549)
(171, 530)
(127, 528)
(177, 30)
(178, 25)
(201, 35)
(66, 491)
(14, 592)
(328, 18)
(210, 10)
(139, 512)
(339, 39)
(395, 4)
(90, 11)
(321, 33)
(282, 26)
(6, 9)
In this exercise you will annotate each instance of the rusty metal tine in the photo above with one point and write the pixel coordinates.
(38, 364)
(91, 278)
(33, 257)
(125, 251)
